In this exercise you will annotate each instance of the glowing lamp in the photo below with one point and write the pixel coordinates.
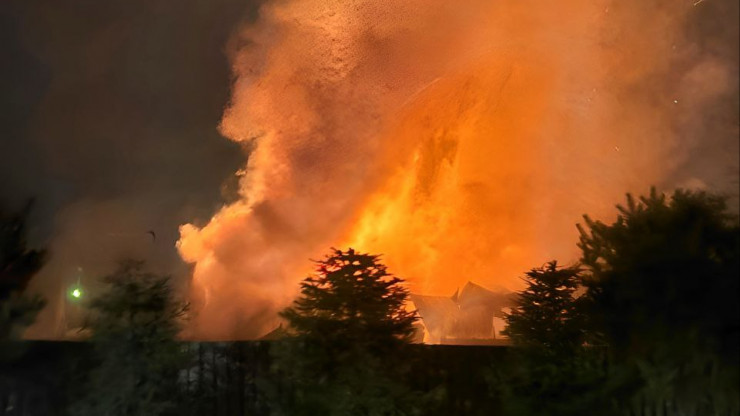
(75, 292)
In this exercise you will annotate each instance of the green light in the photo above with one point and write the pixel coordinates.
(75, 293)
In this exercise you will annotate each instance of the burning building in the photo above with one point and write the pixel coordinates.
(456, 140)
(472, 315)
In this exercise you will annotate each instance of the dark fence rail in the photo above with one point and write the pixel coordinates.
(228, 378)
(35, 376)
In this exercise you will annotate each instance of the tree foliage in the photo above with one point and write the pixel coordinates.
(350, 325)
(18, 264)
(352, 299)
(551, 371)
(134, 324)
(547, 315)
(663, 293)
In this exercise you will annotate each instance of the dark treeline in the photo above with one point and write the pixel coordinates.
(229, 378)
(645, 323)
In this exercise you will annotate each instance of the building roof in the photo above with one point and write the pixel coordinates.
(466, 315)
(437, 313)
(276, 334)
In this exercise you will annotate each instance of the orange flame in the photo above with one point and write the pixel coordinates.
(462, 141)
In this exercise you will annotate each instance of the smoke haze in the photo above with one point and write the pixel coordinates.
(462, 141)
(109, 114)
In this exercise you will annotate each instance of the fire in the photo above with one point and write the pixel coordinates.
(461, 141)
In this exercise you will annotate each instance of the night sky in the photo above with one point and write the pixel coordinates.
(109, 114)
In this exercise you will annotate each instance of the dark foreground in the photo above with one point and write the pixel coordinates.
(231, 378)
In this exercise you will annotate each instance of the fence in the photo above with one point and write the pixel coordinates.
(226, 378)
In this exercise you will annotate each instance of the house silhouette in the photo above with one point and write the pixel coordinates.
(468, 317)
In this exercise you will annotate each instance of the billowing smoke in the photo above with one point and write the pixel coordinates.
(461, 140)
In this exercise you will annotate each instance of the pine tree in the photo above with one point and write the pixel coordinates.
(663, 293)
(350, 325)
(134, 324)
(547, 315)
(18, 264)
(352, 299)
(552, 371)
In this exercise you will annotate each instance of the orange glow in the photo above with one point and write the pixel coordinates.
(462, 141)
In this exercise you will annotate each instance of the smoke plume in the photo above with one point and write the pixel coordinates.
(461, 140)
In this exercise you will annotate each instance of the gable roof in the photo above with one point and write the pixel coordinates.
(467, 314)
(437, 313)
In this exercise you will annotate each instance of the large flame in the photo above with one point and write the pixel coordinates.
(461, 140)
